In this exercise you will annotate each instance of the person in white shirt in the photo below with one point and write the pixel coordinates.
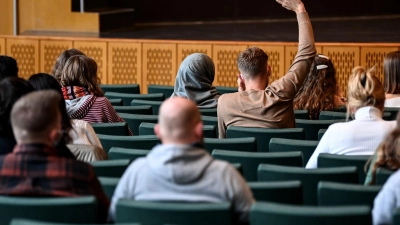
(391, 71)
(363, 135)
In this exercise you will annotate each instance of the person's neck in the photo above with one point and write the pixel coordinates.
(256, 84)
(389, 96)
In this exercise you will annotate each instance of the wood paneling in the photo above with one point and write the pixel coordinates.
(290, 53)
(373, 56)
(26, 52)
(186, 49)
(276, 54)
(2, 46)
(6, 21)
(49, 52)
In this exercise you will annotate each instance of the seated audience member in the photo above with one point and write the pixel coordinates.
(8, 67)
(180, 169)
(11, 89)
(194, 81)
(387, 201)
(257, 104)
(387, 155)
(62, 59)
(36, 123)
(363, 135)
(322, 85)
(76, 132)
(391, 71)
(81, 90)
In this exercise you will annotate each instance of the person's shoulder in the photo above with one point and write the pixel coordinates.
(224, 168)
(394, 180)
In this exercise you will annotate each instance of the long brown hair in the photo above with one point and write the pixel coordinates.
(62, 59)
(391, 71)
(318, 90)
(81, 71)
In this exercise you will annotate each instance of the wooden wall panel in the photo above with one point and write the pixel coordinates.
(373, 56)
(276, 57)
(344, 59)
(2, 46)
(226, 70)
(159, 64)
(186, 49)
(290, 53)
(49, 52)
(26, 52)
(98, 51)
(125, 63)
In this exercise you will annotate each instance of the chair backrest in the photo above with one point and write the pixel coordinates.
(127, 98)
(281, 214)
(36, 222)
(139, 109)
(50, 209)
(321, 133)
(110, 168)
(393, 112)
(209, 131)
(139, 142)
(311, 127)
(301, 114)
(308, 177)
(331, 193)
(155, 105)
(116, 101)
(289, 145)
(264, 135)
(209, 112)
(210, 120)
(396, 216)
(159, 213)
(121, 88)
(120, 129)
(126, 153)
(109, 184)
(134, 120)
(165, 89)
(335, 160)
(382, 175)
(287, 192)
(251, 160)
(226, 90)
(234, 144)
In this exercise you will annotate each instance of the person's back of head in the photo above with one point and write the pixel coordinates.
(11, 89)
(62, 59)
(35, 118)
(364, 89)
(252, 62)
(179, 122)
(391, 70)
(8, 67)
(80, 70)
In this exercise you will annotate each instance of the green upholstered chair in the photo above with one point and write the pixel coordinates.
(334, 160)
(307, 147)
(393, 112)
(137, 142)
(311, 127)
(116, 102)
(127, 98)
(226, 90)
(232, 144)
(331, 193)
(396, 217)
(209, 131)
(287, 192)
(264, 135)
(251, 160)
(36, 222)
(121, 88)
(140, 109)
(120, 129)
(210, 120)
(110, 168)
(382, 175)
(109, 184)
(321, 133)
(165, 89)
(308, 177)
(126, 153)
(50, 209)
(155, 105)
(134, 120)
(159, 213)
(238, 167)
(209, 112)
(301, 114)
(263, 213)
(331, 115)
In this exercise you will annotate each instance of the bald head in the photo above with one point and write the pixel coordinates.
(179, 121)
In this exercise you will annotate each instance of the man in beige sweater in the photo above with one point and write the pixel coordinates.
(257, 104)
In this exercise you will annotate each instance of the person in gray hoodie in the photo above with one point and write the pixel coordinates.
(179, 169)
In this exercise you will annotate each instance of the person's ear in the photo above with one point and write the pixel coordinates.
(198, 130)
(268, 70)
(157, 131)
(55, 136)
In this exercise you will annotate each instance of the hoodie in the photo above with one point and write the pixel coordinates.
(183, 173)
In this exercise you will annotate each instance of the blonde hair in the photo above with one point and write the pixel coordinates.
(364, 89)
(81, 71)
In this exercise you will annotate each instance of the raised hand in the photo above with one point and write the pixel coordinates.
(293, 5)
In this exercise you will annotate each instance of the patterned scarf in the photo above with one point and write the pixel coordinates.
(74, 92)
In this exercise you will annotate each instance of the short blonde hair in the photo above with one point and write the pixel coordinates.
(364, 89)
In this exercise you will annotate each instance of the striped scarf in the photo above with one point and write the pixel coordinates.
(74, 92)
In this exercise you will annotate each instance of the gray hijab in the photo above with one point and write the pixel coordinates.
(194, 81)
